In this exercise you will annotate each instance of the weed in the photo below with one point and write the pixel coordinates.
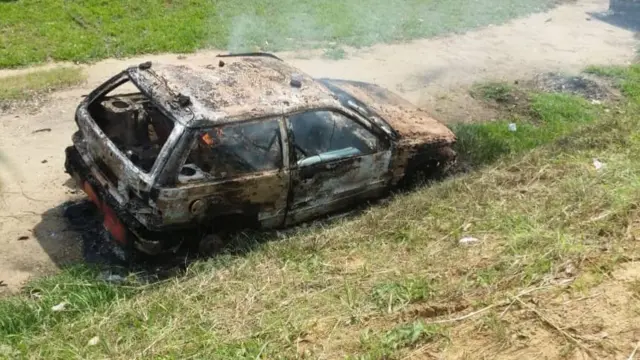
(335, 53)
(393, 295)
(496, 326)
(607, 71)
(561, 109)
(400, 337)
(495, 91)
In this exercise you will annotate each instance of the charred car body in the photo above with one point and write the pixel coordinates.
(248, 142)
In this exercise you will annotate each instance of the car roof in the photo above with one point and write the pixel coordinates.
(238, 88)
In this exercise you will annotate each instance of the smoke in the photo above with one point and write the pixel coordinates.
(250, 32)
(288, 24)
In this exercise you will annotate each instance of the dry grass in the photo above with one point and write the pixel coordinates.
(27, 86)
(393, 281)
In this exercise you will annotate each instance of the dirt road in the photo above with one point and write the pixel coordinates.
(432, 73)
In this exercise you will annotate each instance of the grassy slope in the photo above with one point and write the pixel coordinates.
(34, 31)
(26, 86)
(370, 285)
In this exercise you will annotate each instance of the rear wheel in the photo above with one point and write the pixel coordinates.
(435, 167)
(125, 255)
(211, 244)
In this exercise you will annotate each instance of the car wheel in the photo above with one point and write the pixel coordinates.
(126, 256)
(211, 244)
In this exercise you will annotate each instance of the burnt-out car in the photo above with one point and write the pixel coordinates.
(171, 153)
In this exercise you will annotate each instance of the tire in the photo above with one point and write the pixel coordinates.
(211, 244)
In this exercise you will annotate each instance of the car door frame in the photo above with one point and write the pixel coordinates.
(383, 157)
(217, 194)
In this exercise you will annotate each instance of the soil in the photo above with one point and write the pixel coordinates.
(36, 237)
(578, 85)
(600, 323)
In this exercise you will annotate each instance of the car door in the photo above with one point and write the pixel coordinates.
(234, 169)
(336, 162)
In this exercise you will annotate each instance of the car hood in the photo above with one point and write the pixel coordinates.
(410, 122)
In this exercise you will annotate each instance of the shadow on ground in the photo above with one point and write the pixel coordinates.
(72, 233)
(628, 19)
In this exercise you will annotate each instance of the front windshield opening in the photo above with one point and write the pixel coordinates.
(133, 123)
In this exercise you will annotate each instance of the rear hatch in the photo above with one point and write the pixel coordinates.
(121, 137)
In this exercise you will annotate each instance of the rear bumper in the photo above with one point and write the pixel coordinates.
(122, 227)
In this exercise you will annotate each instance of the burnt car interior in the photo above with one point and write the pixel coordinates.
(241, 149)
(234, 150)
(320, 136)
(133, 123)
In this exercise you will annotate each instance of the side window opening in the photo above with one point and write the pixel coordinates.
(327, 135)
(131, 121)
(235, 150)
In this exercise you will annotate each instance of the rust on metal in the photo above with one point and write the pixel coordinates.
(246, 142)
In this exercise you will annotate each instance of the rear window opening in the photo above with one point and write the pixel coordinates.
(133, 123)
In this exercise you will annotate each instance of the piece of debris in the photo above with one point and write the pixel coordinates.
(633, 353)
(113, 278)
(59, 307)
(23, 237)
(93, 341)
(596, 102)
(181, 57)
(3, 284)
(41, 130)
(513, 127)
(597, 164)
(468, 240)
(570, 269)
(44, 161)
(296, 83)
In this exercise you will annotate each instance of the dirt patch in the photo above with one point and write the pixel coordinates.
(600, 323)
(459, 105)
(578, 85)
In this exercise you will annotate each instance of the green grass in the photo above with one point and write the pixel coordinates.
(35, 31)
(495, 91)
(78, 287)
(555, 115)
(29, 85)
(335, 53)
(403, 336)
(370, 286)
(626, 78)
